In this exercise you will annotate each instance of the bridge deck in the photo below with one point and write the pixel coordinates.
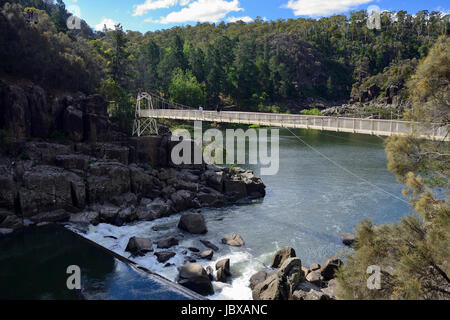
(336, 124)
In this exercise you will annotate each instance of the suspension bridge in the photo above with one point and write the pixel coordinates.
(151, 107)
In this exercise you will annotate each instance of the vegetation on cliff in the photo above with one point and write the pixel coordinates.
(413, 253)
(252, 65)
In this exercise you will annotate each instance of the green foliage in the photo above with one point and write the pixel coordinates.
(123, 114)
(430, 86)
(413, 253)
(311, 112)
(41, 53)
(185, 89)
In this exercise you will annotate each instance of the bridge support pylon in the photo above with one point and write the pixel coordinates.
(142, 125)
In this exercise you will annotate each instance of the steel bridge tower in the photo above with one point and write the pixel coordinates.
(143, 125)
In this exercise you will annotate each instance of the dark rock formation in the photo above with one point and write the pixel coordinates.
(223, 270)
(193, 223)
(139, 246)
(329, 268)
(348, 239)
(194, 277)
(210, 245)
(167, 243)
(281, 256)
(164, 256)
(292, 281)
(64, 155)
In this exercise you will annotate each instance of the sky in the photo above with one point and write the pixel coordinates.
(152, 15)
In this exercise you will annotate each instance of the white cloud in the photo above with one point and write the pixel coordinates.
(322, 7)
(246, 19)
(201, 11)
(110, 24)
(149, 5)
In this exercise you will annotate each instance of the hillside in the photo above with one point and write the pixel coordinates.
(264, 65)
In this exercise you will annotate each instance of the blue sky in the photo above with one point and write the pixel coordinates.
(151, 15)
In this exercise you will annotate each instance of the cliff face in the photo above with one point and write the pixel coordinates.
(96, 174)
(28, 112)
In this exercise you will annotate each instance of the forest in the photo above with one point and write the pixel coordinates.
(276, 66)
(259, 66)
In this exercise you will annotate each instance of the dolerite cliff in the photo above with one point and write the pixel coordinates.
(96, 173)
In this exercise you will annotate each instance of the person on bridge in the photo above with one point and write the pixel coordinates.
(200, 109)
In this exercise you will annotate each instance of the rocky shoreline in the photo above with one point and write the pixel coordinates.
(94, 173)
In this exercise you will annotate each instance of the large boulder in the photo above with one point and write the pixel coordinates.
(234, 240)
(193, 223)
(281, 256)
(207, 254)
(209, 197)
(315, 278)
(210, 245)
(182, 200)
(236, 188)
(107, 180)
(292, 273)
(143, 183)
(46, 189)
(155, 209)
(223, 270)
(281, 284)
(139, 246)
(195, 278)
(329, 268)
(164, 256)
(273, 288)
(54, 216)
(108, 213)
(214, 179)
(167, 243)
(308, 291)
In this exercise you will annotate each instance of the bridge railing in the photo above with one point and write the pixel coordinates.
(352, 125)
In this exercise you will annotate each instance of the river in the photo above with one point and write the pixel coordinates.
(309, 203)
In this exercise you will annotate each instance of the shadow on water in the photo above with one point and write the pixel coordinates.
(33, 266)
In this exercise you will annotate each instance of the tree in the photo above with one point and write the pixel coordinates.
(413, 254)
(185, 89)
(430, 86)
(119, 55)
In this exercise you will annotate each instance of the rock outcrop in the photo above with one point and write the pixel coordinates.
(193, 222)
(194, 277)
(281, 256)
(289, 280)
(139, 246)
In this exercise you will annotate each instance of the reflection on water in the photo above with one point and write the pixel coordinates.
(33, 266)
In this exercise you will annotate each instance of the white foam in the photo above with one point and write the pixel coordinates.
(243, 264)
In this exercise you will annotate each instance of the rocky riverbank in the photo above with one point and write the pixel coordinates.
(64, 160)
